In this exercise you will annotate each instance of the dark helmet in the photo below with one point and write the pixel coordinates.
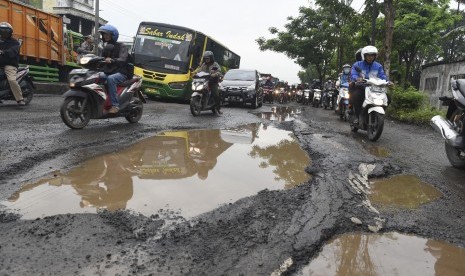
(358, 55)
(109, 29)
(6, 26)
(208, 54)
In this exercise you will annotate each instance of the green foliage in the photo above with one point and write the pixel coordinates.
(411, 106)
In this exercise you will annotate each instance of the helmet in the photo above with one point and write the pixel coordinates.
(109, 29)
(6, 26)
(346, 68)
(369, 50)
(208, 54)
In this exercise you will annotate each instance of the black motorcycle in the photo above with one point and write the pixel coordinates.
(452, 128)
(24, 81)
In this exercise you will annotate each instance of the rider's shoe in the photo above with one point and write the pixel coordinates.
(21, 103)
(113, 110)
(355, 121)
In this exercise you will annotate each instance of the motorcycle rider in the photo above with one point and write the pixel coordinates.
(208, 63)
(369, 68)
(344, 78)
(86, 47)
(9, 59)
(329, 86)
(115, 70)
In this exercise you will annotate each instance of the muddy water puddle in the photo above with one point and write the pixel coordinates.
(281, 113)
(404, 191)
(190, 172)
(386, 254)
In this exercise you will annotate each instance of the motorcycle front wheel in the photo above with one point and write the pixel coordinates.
(74, 113)
(135, 115)
(196, 106)
(375, 126)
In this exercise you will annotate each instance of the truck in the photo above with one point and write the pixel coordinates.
(48, 48)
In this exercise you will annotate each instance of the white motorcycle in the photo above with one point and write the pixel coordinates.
(342, 103)
(316, 97)
(371, 117)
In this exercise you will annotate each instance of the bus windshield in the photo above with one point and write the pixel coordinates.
(166, 50)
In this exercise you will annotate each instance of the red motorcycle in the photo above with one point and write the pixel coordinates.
(88, 98)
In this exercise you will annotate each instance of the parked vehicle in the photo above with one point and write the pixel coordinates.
(201, 98)
(241, 86)
(24, 81)
(88, 98)
(452, 128)
(316, 97)
(342, 103)
(306, 99)
(371, 117)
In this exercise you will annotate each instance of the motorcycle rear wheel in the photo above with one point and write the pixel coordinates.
(456, 157)
(135, 115)
(72, 115)
(375, 126)
(195, 106)
(28, 93)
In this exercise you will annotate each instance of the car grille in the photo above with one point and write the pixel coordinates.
(153, 76)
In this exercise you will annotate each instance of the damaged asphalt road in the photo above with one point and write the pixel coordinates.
(270, 232)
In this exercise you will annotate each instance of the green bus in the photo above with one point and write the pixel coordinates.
(164, 55)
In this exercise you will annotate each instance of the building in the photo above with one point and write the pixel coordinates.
(436, 77)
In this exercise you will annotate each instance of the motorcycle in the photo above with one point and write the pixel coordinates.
(24, 81)
(342, 103)
(268, 95)
(283, 95)
(87, 97)
(316, 98)
(201, 98)
(327, 100)
(371, 117)
(306, 97)
(452, 128)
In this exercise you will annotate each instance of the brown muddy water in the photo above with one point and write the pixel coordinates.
(402, 191)
(386, 254)
(187, 172)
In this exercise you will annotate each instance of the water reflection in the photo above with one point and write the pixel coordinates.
(281, 113)
(386, 254)
(189, 171)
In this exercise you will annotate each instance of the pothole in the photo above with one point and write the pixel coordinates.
(402, 191)
(188, 172)
(386, 254)
(281, 113)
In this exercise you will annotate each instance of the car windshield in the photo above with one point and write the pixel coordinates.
(240, 75)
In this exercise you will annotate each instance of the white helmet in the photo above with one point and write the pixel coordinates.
(369, 50)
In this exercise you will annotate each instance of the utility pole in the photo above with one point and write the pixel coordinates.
(96, 33)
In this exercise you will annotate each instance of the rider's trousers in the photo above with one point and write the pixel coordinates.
(10, 72)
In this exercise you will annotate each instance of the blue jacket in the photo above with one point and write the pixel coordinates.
(375, 69)
(344, 80)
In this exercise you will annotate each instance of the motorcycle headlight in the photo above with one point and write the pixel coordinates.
(197, 86)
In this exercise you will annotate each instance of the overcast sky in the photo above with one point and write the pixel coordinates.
(236, 24)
